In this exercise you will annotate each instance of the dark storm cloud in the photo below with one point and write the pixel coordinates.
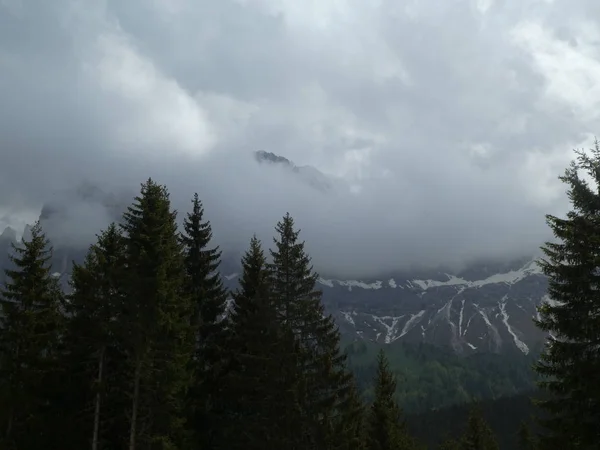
(450, 123)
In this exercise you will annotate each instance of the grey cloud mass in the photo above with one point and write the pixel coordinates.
(447, 123)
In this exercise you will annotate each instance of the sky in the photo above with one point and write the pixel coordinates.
(450, 121)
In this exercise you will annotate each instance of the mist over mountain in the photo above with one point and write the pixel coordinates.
(399, 157)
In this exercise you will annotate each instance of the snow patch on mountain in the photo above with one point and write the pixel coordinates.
(511, 277)
(410, 323)
(518, 342)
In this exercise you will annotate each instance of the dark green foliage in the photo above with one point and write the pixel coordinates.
(527, 440)
(571, 361)
(208, 297)
(352, 426)
(478, 435)
(386, 426)
(93, 357)
(203, 282)
(325, 383)
(30, 330)
(260, 384)
(450, 444)
(157, 336)
(432, 377)
(504, 416)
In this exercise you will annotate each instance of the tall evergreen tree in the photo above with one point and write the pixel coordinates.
(386, 427)
(208, 296)
(93, 357)
(478, 435)
(204, 283)
(326, 384)
(31, 325)
(571, 359)
(156, 322)
(259, 385)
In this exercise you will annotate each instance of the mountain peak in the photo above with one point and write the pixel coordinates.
(9, 234)
(263, 156)
(308, 174)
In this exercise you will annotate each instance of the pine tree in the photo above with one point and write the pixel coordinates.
(325, 383)
(571, 360)
(386, 427)
(259, 384)
(478, 435)
(31, 324)
(156, 322)
(93, 356)
(208, 296)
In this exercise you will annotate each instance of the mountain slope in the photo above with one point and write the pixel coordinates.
(465, 312)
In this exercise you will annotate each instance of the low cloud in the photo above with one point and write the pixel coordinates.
(446, 128)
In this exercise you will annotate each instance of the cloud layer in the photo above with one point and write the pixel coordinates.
(451, 122)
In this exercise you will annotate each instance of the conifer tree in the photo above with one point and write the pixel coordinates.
(386, 427)
(571, 360)
(326, 384)
(93, 358)
(208, 296)
(204, 283)
(156, 321)
(351, 428)
(478, 435)
(259, 385)
(31, 324)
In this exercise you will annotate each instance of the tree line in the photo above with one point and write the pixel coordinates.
(145, 352)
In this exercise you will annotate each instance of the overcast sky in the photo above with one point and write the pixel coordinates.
(452, 119)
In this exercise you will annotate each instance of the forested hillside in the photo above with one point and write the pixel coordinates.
(431, 377)
(505, 417)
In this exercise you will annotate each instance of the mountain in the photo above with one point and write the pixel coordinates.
(307, 174)
(469, 312)
(483, 308)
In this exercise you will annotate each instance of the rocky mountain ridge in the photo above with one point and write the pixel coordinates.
(489, 314)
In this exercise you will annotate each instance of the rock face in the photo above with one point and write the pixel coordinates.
(475, 311)
(468, 313)
(307, 174)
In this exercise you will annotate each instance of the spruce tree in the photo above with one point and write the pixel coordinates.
(571, 359)
(259, 385)
(156, 322)
(325, 383)
(478, 435)
(386, 427)
(93, 357)
(31, 325)
(208, 296)
(203, 281)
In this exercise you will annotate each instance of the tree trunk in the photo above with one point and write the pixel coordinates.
(136, 398)
(9, 424)
(98, 398)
